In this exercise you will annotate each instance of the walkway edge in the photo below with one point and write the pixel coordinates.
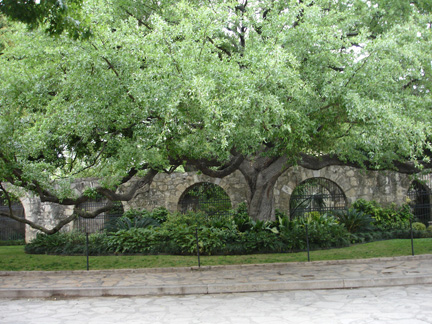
(215, 288)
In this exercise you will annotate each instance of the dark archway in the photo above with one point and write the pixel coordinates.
(10, 229)
(420, 196)
(97, 224)
(316, 194)
(205, 197)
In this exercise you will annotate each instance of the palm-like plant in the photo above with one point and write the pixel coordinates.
(355, 221)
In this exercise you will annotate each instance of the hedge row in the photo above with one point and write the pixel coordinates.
(163, 232)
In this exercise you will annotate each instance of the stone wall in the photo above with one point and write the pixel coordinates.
(48, 214)
(383, 186)
(167, 189)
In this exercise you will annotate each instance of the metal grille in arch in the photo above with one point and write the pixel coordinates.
(10, 229)
(205, 197)
(420, 195)
(316, 194)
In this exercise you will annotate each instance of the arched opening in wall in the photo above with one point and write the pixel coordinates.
(205, 197)
(11, 229)
(97, 224)
(420, 197)
(316, 194)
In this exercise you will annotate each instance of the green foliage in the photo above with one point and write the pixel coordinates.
(323, 229)
(418, 226)
(160, 214)
(125, 223)
(165, 82)
(138, 218)
(233, 233)
(131, 240)
(55, 16)
(206, 197)
(241, 218)
(385, 218)
(12, 242)
(354, 220)
(72, 243)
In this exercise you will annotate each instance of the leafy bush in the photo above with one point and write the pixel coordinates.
(12, 242)
(235, 233)
(160, 214)
(125, 223)
(214, 233)
(355, 221)
(132, 240)
(324, 231)
(418, 226)
(71, 243)
(261, 242)
(241, 218)
(385, 219)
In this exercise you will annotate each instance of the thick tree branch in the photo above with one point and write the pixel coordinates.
(232, 166)
(317, 163)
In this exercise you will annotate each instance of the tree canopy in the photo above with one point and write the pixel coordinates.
(56, 16)
(255, 86)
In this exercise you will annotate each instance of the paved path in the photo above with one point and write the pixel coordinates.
(388, 305)
(220, 279)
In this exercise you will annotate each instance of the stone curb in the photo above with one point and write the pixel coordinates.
(214, 288)
(222, 267)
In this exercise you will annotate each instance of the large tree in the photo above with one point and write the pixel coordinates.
(255, 86)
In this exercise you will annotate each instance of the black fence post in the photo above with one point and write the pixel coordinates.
(307, 242)
(197, 244)
(87, 250)
(412, 236)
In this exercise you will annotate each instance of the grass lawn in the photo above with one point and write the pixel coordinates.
(13, 258)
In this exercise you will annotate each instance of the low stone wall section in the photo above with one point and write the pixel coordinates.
(167, 189)
(385, 187)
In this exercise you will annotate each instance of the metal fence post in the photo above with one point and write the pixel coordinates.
(307, 242)
(197, 244)
(412, 236)
(87, 250)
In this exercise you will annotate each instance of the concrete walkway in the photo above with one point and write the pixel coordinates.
(344, 274)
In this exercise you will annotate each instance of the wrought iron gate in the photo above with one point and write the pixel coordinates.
(420, 196)
(97, 224)
(206, 197)
(10, 229)
(316, 194)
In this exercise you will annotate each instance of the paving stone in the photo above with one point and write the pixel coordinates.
(220, 279)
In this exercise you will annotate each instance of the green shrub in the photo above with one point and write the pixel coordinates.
(71, 243)
(132, 240)
(12, 242)
(324, 231)
(261, 242)
(125, 223)
(214, 233)
(234, 233)
(418, 226)
(388, 218)
(160, 214)
(355, 221)
(241, 218)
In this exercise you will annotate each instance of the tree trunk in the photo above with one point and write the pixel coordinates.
(261, 175)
